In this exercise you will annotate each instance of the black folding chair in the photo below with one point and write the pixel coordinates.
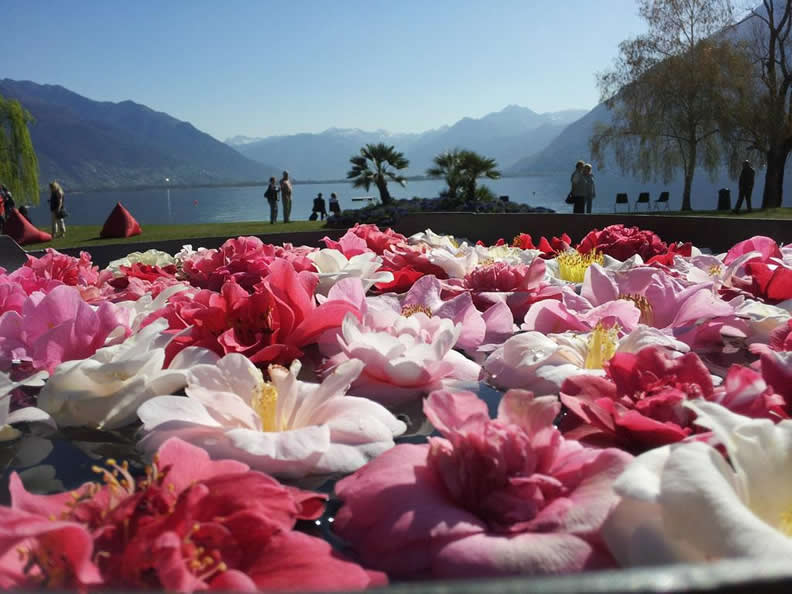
(643, 198)
(662, 199)
(621, 198)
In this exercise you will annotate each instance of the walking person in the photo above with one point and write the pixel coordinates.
(579, 189)
(272, 197)
(591, 192)
(746, 184)
(335, 206)
(57, 210)
(286, 196)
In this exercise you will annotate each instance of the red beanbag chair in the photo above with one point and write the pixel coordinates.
(120, 224)
(22, 231)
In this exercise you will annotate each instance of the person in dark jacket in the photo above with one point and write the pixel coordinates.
(746, 184)
(271, 194)
(580, 188)
(335, 206)
(319, 208)
(57, 205)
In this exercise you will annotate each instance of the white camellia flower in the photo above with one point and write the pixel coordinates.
(762, 318)
(686, 502)
(105, 390)
(288, 427)
(333, 266)
(540, 363)
(149, 257)
(142, 308)
(29, 414)
(433, 239)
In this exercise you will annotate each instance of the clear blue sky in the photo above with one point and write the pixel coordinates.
(260, 67)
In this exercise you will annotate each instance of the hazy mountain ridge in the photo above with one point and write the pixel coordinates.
(504, 135)
(92, 144)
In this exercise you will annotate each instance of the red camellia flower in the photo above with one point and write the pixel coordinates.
(675, 249)
(772, 282)
(548, 248)
(403, 280)
(269, 325)
(190, 524)
(638, 405)
(622, 242)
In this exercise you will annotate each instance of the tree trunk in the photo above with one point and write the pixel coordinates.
(686, 191)
(385, 196)
(773, 194)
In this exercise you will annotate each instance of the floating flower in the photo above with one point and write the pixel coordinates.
(56, 327)
(190, 524)
(152, 257)
(288, 427)
(686, 503)
(542, 363)
(622, 242)
(270, 325)
(375, 239)
(405, 361)
(105, 390)
(333, 266)
(491, 497)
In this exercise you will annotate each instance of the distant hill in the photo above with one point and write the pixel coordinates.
(504, 135)
(88, 144)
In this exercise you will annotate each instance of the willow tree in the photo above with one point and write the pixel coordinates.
(377, 164)
(18, 162)
(667, 91)
(763, 118)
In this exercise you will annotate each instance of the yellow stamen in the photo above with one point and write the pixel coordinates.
(265, 403)
(602, 345)
(786, 522)
(715, 270)
(642, 303)
(409, 310)
(572, 265)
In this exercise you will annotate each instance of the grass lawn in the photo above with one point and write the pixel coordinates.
(88, 235)
(756, 213)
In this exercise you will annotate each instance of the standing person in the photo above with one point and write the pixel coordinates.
(272, 197)
(591, 192)
(57, 210)
(579, 189)
(318, 208)
(746, 184)
(286, 196)
(335, 207)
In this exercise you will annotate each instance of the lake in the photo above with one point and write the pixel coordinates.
(230, 204)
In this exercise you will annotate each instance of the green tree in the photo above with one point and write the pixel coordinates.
(668, 91)
(18, 162)
(377, 164)
(447, 166)
(473, 166)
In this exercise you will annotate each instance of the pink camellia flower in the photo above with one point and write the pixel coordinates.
(519, 286)
(765, 248)
(415, 257)
(246, 260)
(491, 497)
(75, 272)
(190, 524)
(405, 361)
(622, 242)
(59, 326)
(374, 239)
(270, 325)
(12, 295)
(694, 314)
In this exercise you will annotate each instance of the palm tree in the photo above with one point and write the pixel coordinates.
(473, 166)
(371, 167)
(447, 165)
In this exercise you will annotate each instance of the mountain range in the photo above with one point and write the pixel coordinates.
(91, 144)
(505, 135)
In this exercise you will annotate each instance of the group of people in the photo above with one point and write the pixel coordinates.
(284, 190)
(583, 190)
(319, 208)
